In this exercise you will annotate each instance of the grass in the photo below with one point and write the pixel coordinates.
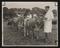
(11, 37)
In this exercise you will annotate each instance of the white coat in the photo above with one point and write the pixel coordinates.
(48, 22)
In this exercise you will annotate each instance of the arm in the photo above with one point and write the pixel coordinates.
(44, 18)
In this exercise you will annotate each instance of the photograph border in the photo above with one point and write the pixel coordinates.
(26, 45)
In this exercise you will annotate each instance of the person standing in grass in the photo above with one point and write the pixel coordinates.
(48, 22)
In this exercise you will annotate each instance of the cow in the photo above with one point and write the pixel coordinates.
(32, 25)
(16, 22)
(21, 23)
(10, 22)
(29, 25)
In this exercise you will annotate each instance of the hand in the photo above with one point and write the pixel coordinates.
(45, 18)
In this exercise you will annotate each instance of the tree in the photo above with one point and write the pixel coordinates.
(12, 12)
(38, 10)
(55, 15)
(54, 12)
(5, 12)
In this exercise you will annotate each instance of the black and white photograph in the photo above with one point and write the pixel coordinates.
(29, 23)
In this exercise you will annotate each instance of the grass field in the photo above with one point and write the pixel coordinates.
(10, 37)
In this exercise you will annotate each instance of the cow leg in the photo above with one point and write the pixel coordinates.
(17, 29)
(24, 32)
(32, 34)
(25, 29)
(16, 26)
(38, 35)
(27, 33)
(28, 30)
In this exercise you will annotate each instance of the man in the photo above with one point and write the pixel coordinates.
(48, 22)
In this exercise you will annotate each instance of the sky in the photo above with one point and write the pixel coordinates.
(29, 4)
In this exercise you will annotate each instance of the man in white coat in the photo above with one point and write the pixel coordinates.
(48, 22)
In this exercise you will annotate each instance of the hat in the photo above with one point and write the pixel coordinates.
(46, 6)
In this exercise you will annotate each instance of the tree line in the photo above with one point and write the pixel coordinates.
(12, 12)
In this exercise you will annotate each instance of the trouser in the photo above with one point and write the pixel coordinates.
(49, 37)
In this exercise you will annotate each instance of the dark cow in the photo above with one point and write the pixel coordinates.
(21, 23)
(33, 23)
(16, 22)
(29, 25)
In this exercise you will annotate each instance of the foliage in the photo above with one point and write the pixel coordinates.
(35, 10)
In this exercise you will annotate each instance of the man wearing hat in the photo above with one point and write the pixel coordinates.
(48, 22)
